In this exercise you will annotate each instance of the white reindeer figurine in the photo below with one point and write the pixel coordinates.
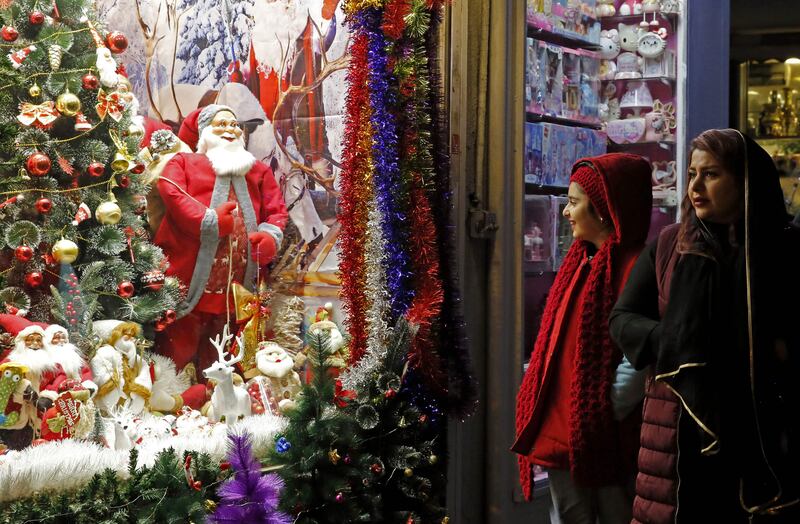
(228, 402)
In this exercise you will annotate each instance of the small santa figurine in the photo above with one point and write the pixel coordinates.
(43, 372)
(278, 366)
(68, 357)
(224, 223)
(141, 381)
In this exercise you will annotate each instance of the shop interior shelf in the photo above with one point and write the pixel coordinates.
(669, 18)
(666, 144)
(536, 117)
(561, 39)
(668, 80)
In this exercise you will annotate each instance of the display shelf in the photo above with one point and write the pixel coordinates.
(669, 18)
(536, 189)
(560, 39)
(536, 117)
(665, 144)
(666, 80)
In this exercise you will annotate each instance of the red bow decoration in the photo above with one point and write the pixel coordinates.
(39, 115)
(109, 104)
(342, 396)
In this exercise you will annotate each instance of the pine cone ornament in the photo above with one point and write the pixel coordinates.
(54, 53)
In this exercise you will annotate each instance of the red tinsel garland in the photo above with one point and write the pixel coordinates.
(394, 18)
(355, 190)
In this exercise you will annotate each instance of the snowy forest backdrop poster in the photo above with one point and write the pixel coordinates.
(281, 64)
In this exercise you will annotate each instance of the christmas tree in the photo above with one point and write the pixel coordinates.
(73, 241)
(365, 456)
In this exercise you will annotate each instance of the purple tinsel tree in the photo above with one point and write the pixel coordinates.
(248, 496)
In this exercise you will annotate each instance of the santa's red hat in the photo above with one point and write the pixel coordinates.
(14, 324)
(188, 132)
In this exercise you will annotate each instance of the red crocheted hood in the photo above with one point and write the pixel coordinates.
(626, 178)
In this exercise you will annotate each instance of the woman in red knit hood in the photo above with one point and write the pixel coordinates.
(575, 413)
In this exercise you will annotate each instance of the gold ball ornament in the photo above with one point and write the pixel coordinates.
(65, 251)
(35, 91)
(408, 472)
(68, 104)
(108, 213)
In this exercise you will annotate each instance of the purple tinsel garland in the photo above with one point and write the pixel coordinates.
(389, 190)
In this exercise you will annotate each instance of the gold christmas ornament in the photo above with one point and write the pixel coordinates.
(135, 131)
(334, 456)
(121, 163)
(68, 104)
(65, 251)
(408, 472)
(108, 213)
(35, 91)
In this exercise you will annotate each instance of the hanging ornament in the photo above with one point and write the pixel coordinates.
(37, 115)
(109, 104)
(125, 289)
(54, 54)
(23, 253)
(90, 82)
(135, 131)
(34, 279)
(36, 17)
(108, 213)
(121, 162)
(340, 497)
(96, 169)
(18, 57)
(82, 214)
(408, 472)
(376, 469)
(153, 280)
(138, 168)
(390, 393)
(38, 164)
(170, 316)
(124, 181)
(68, 104)
(35, 91)
(334, 457)
(9, 34)
(65, 251)
(117, 42)
(82, 124)
(159, 325)
(44, 205)
(433, 459)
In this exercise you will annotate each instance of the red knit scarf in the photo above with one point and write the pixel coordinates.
(593, 440)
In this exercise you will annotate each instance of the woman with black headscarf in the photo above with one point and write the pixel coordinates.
(705, 307)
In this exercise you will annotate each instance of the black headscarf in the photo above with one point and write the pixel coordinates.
(722, 333)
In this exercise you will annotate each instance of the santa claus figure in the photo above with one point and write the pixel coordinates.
(44, 373)
(140, 381)
(277, 365)
(224, 223)
(67, 356)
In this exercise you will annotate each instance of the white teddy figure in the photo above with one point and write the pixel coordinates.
(278, 366)
(630, 7)
(609, 50)
(605, 8)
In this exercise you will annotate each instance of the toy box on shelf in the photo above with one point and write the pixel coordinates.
(570, 18)
(551, 149)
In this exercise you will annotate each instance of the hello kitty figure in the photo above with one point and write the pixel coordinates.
(653, 44)
(629, 37)
(609, 50)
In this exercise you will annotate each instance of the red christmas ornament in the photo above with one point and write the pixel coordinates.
(390, 393)
(96, 169)
(125, 289)
(9, 34)
(90, 82)
(44, 205)
(153, 280)
(38, 164)
(34, 279)
(340, 497)
(224, 465)
(117, 42)
(36, 18)
(376, 468)
(138, 169)
(197, 485)
(159, 325)
(170, 316)
(23, 253)
(124, 181)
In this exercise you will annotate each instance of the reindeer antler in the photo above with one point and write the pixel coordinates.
(221, 340)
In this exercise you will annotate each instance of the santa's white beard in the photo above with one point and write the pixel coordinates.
(127, 348)
(276, 369)
(67, 355)
(36, 360)
(107, 68)
(226, 157)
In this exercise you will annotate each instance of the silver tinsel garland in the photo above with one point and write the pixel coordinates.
(378, 332)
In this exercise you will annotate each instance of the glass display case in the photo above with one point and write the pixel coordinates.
(769, 112)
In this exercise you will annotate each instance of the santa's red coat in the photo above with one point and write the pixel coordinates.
(187, 197)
